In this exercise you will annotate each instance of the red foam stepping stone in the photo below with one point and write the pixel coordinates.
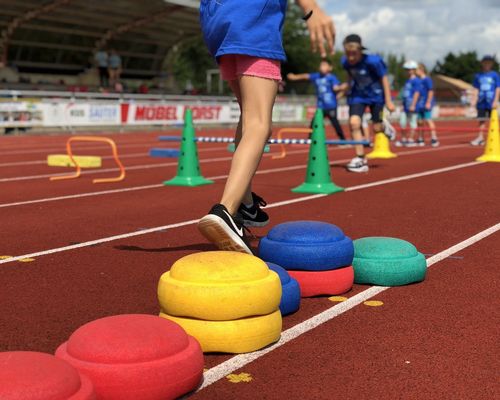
(135, 356)
(29, 375)
(316, 283)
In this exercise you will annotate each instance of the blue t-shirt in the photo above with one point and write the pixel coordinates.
(426, 86)
(251, 28)
(366, 79)
(487, 83)
(411, 87)
(327, 99)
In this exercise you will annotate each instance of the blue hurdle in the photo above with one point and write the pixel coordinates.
(165, 153)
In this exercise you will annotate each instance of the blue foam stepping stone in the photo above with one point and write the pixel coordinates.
(387, 261)
(290, 295)
(161, 152)
(307, 246)
(231, 147)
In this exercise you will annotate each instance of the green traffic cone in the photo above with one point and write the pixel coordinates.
(318, 177)
(188, 167)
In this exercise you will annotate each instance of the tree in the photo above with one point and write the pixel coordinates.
(462, 66)
(191, 61)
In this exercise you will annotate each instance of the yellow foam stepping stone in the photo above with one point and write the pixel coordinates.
(238, 336)
(238, 378)
(63, 160)
(219, 286)
(373, 303)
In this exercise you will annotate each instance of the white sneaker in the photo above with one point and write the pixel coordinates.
(477, 142)
(434, 142)
(358, 164)
(389, 130)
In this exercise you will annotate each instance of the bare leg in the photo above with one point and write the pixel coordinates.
(432, 127)
(357, 134)
(257, 99)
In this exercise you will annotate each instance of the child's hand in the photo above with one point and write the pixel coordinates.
(428, 106)
(390, 106)
(321, 28)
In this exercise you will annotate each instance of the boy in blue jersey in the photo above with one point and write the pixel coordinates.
(426, 102)
(327, 86)
(368, 86)
(486, 94)
(410, 97)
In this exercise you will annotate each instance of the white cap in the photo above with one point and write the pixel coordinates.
(410, 64)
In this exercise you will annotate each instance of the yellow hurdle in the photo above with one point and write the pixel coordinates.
(63, 160)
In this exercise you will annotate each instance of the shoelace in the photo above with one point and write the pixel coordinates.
(238, 219)
(259, 200)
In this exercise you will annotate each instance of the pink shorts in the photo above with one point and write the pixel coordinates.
(233, 65)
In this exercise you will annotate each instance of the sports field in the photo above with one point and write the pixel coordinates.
(73, 251)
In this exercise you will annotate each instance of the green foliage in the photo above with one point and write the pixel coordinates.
(462, 66)
(396, 70)
(191, 61)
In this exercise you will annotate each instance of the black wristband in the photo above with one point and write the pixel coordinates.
(307, 16)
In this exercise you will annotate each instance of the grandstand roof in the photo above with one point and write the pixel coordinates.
(63, 35)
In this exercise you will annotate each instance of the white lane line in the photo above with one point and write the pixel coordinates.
(185, 223)
(132, 155)
(217, 177)
(413, 176)
(236, 362)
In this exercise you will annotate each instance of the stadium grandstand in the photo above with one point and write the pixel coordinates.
(51, 44)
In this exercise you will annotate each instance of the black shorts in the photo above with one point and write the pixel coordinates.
(483, 112)
(359, 110)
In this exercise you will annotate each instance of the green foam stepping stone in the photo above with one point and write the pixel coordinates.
(385, 261)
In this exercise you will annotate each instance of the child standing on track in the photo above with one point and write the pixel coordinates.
(368, 87)
(327, 86)
(486, 94)
(245, 38)
(425, 104)
(410, 97)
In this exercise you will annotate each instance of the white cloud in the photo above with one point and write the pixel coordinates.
(425, 30)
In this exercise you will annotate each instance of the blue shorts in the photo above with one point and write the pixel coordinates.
(425, 115)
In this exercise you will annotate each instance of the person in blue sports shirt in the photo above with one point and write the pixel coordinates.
(368, 86)
(245, 38)
(486, 94)
(410, 97)
(426, 102)
(327, 86)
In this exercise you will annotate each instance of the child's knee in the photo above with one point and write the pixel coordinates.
(355, 123)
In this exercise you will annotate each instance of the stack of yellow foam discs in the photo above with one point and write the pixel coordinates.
(228, 301)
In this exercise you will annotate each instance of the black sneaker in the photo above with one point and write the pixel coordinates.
(254, 216)
(223, 230)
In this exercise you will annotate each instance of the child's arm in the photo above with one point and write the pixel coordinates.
(495, 100)
(320, 27)
(414, 101)
(387, 94)
(430, 96)
(298, 77)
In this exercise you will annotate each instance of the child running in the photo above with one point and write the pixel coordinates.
(410, 97)
(426, 102)
(368, 87)
(245, 38)
(486, 94)
(327, 86)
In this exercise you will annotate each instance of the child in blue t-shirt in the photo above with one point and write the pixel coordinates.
(368, 87)
(425, 104)
(327, 86)
(245, 38)
(410, 97)
(486, 94)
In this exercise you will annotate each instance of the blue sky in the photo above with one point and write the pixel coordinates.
(424, 30)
